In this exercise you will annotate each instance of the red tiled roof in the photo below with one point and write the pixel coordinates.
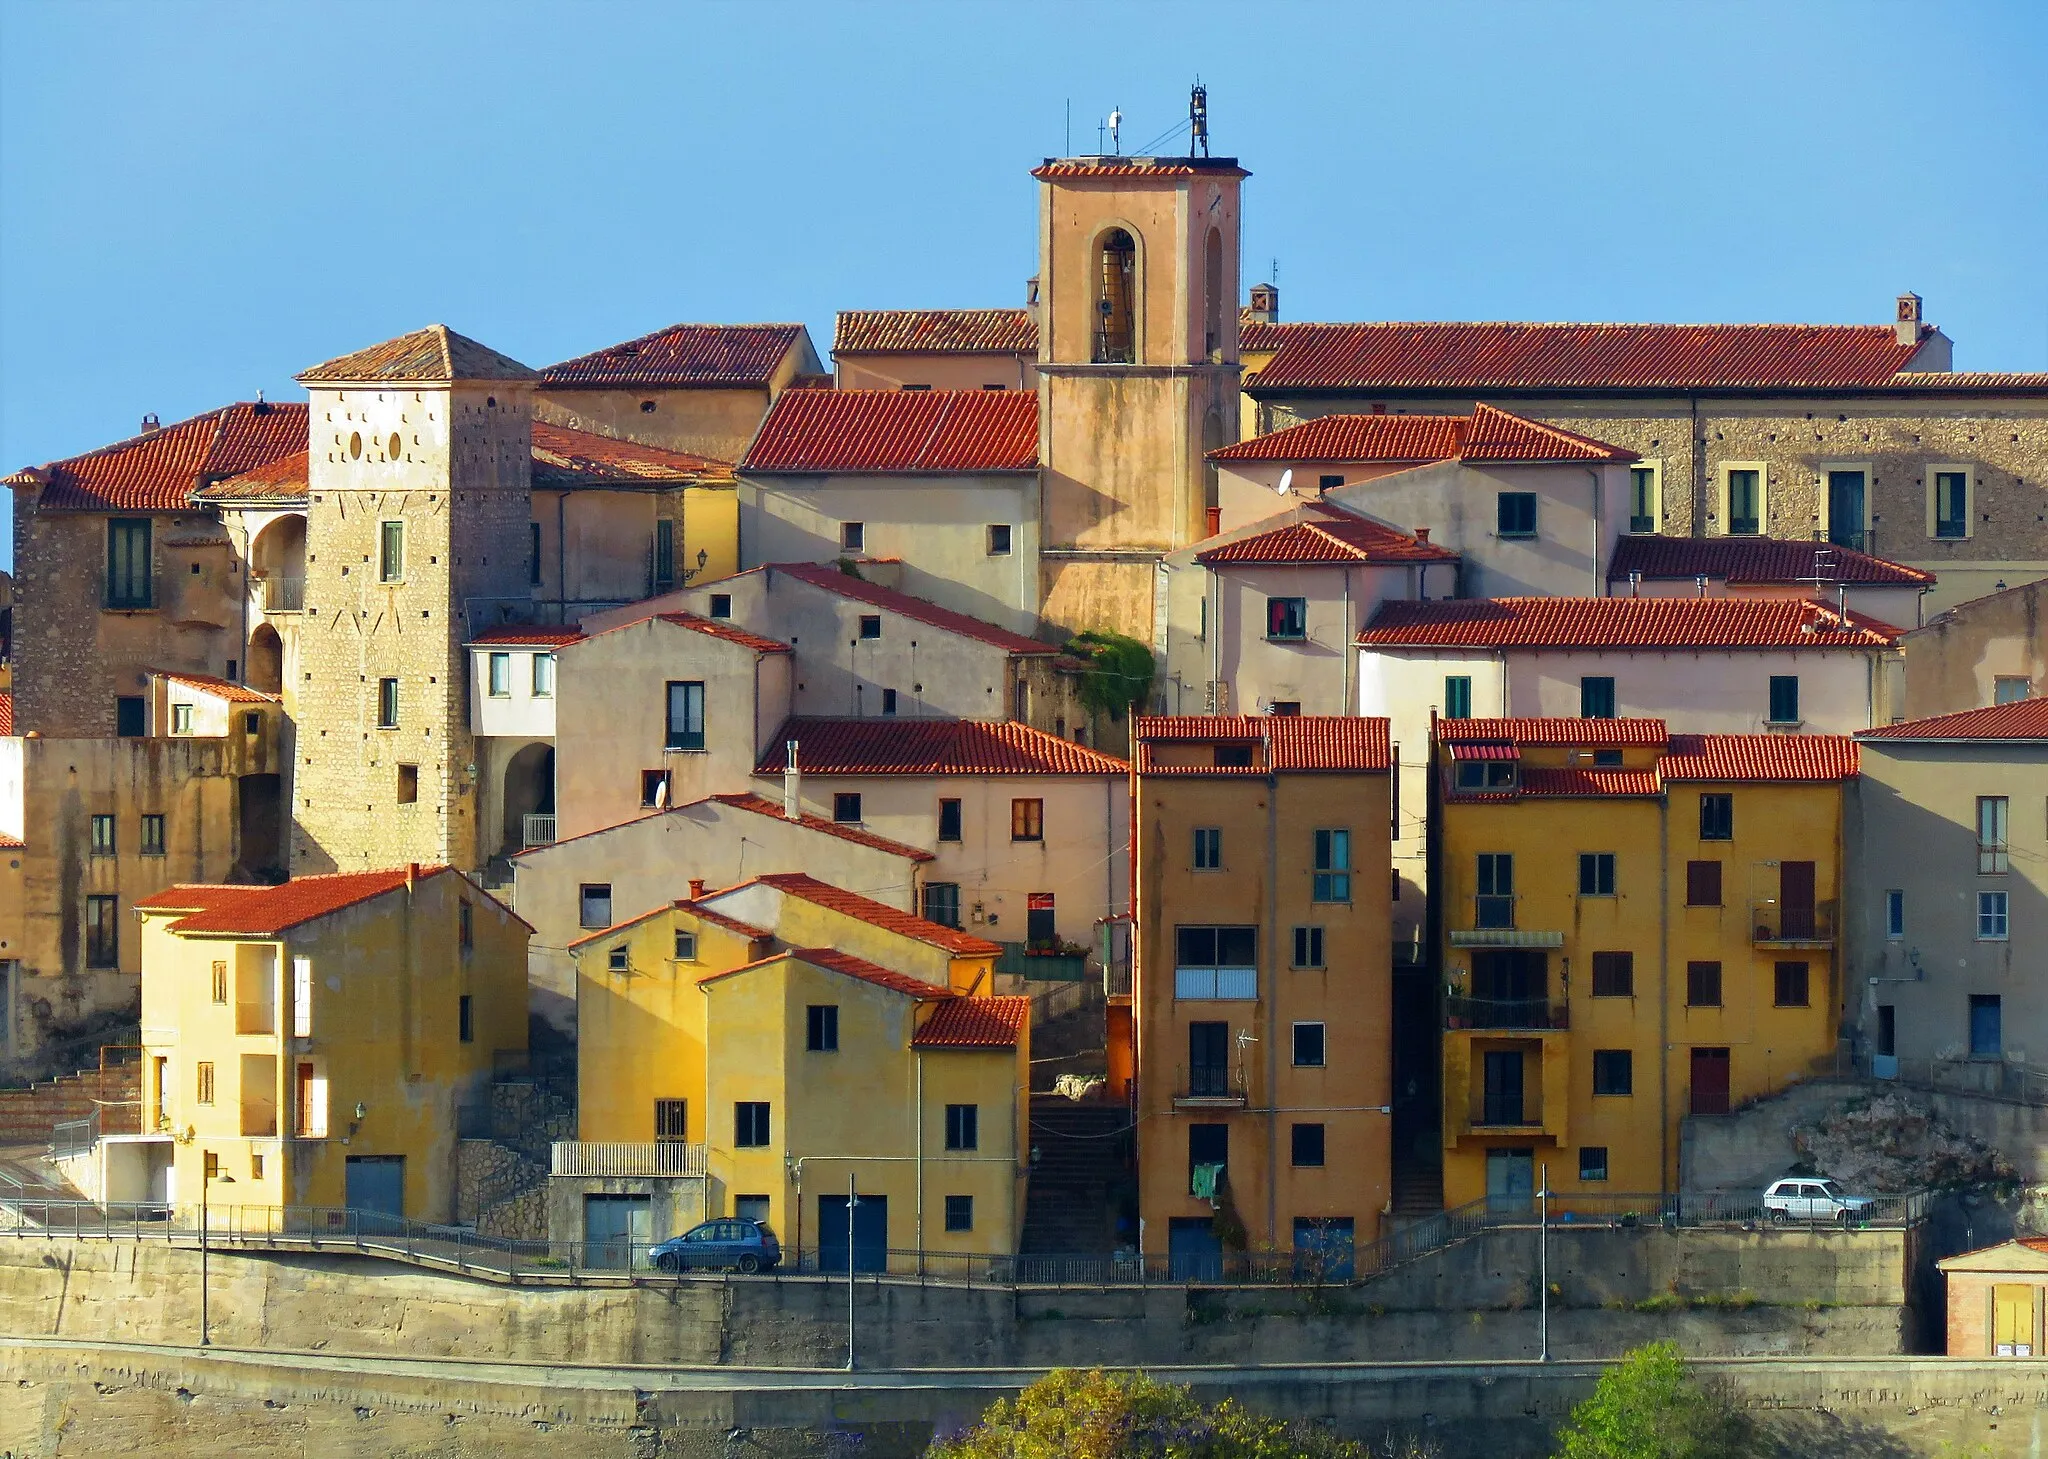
(1326, 536)
(1137, 167)
(283, 479)
(1753, 560)
(1256, 336)
(832, 960)
(1487, 434)
(1553, 733)
(223, 688)
(1622, 623)
(536, 635)
(566, 459)
(695, 909)
(931, 747)
(2002, 382)
(1759, 757)
(684, 356)
(920, 610)
(935, 331)
(1302, 743)
(434, 354)
(250, 911)
(878, 914)
(1563, 780)
(899, 432)
(159, 470)
(975, 1023)
(2024, 719)
(762, 806)
(6, 713)
(1482, 356)
(709, 627)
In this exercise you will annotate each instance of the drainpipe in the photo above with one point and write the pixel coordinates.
(561, 561)
(919, 1055)
(1350, 646)
(1664, 992)
(1271, 960)
(1599, 530)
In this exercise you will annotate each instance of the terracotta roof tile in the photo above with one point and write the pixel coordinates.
(2001, 382)
(1482, 356)
(1559, 780)
(566, 459)
(919, 610)
(762, 806)
(282, 479)
(1258, 336)
(684, 356)
(1553, 733)
(532, 635)
(845, 963)
(1324, 535)
(1759, 757)
(1111, 167)
(898, 432)
(1752, 560)
(975, 1023)
(248, 911)
(6, 713)
(1622, 623)
(1495, 435)
(931, 747)
(709, 627)
(2024, 719)
(878, 914)
(223, 688)
(935, 331)
(160, 470)
(434, 355)
(695, 909)
(1487, 434)
(1302, 743)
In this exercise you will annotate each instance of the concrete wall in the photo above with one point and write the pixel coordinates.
(715, 423)
(1956, 661)
(933, 369)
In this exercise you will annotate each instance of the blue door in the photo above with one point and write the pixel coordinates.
(1845, 509)
(870, 1233)
(1194, 1253)
(1987, 1032)
(374, 1187)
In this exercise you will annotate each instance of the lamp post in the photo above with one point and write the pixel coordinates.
(1543, 1263)
(851, 1200)
(205, 1183)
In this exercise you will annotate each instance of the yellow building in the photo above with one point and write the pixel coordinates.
(1609, 892)
(1263, 984)
(309, 1044)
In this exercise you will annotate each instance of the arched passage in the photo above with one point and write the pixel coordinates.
(266, 660)
(1213, 303)
(1116, 299)
(530, 792)
(277, 559)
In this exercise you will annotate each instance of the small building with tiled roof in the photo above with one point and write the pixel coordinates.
(1997, 1301)
(936, 349)
(1647, 565)
(804, 911)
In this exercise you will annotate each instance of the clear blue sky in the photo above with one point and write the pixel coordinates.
(198, 199)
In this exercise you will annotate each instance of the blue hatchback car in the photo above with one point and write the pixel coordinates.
(736, 1243)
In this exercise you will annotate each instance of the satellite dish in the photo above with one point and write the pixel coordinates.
(1286, 481)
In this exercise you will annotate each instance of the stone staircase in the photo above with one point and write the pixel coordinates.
(1418, 1189)
(1081, 1175)
(503, 1189)
(27, 1116)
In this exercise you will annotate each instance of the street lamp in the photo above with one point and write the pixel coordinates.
(206, 1181)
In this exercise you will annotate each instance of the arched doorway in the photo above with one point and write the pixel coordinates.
(277, 560)
(266, 660)
(530, 797)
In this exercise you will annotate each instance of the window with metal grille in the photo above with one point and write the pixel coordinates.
(1306, 1145)
(1027, 820)
(129, 578)
(671, 1121)
(1703, 884)
(1592, 1162)
(685, 714)
(1717, 816)
(1614, 975)
(750, 1124)
(1208, 848)
(963, 1127)
(1333, 866)
(1596, 873)
(1790, 985)
(821, 1028)
(1308, 947)
(1613, 1071)
(1703, 985)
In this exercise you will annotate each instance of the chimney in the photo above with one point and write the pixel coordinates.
(412, 875)
(1422, 534)
(1265, 304)
(1031, 297)
(1699, 584)
(696, 887)
(1908, 321)
(151, 423)
(792, 779)
(1635, 584)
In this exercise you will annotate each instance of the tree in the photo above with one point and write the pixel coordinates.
(1120, 670)
(1650, 1407)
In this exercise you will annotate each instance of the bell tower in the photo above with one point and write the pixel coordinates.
(1137, 368)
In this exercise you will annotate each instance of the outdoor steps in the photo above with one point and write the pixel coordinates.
(1083, 1164)
(28, 1115)
(1418, 1189)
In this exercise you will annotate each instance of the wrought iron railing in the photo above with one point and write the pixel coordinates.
(537, 830)
(1990, 1078)
(1463, 1011)
(1772, 921)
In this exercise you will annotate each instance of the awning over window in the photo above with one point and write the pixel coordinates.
(1483, 752)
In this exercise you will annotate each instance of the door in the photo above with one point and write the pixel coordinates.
(2012, 1321)
(1845, 509)
(1501, 1102)
(1209, 1059)
(1510, 1181)
(870, 1233)
(1710, 1081)
(374, 1188)
(1510, 989)
(615, 1231)
(1987, 1030)
(1795, 898)
(1194, 1252)
(752, 1208)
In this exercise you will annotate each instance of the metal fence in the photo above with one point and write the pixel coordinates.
(1990, 1077)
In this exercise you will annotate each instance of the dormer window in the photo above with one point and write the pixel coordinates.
(1486, 775)
(1233, 757)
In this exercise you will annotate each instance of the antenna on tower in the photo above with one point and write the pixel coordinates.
(1198, 118)
(1116, 122)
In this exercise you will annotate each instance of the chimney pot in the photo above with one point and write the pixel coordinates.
(150, 423)
(1265, 306)
(792, 782)
(1422, 534)
(1906, 322)
(696, 887)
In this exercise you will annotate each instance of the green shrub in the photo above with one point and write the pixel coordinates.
(1650, 1407)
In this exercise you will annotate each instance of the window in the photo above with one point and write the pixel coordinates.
(1702, 985)
(999, 539)
(205, 1086)
(821, 1028)
(128, 562)
(870, 625)
(1847, 507)
(949, 820)
(1333, 867)
(102, 932)
(1717, 817)
(465, 925)
(846, 807)
(1486, 775)
(686, 946)
(1027, 820)
(1308, 947)
(255, 1166)
(1596, 873)
(959, 1213)
(1642, 497)
(390, 552)
(1592, 1162)
(1515, 514)
(1613, 1071)
(619, 959)
(1607, 759)
(1233, 757)
(1895, 913)
(671, 1121)
(2011, 688)
(130, 716)
(963, 1127)
(1216, 963)
(594, 905)
(407, 790)
(1614, 975)
(685, 714)
(1743, 499)
(942, 903)
(1992, 923)
(1596, 697)
(1784, 699)
(220, 982)
(1285, 708)
(1308, 1046)
(888, 701)
(1948, 507)
(500, 676)
(209, 1165)
(721, 605)
(1458, 696)
(465, 1018)
(1495, 905)
(1703, 884)
(853, 536)
(653, 788)
(543, 676)
(1041, 918)
(102, 835)
(387, 704)
(1286, 617)
(181, 719)
(1208, 848)
(1789, 985)
(1330, 481)
(664, 555)
(533, 554)
(750, 1124)
(1992, 855)
(1306, 1146)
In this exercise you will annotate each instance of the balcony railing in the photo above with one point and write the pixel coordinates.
(1208, 1084)
(1493, 912)
(1051, 959)
(1499, 1109)
(537, 831)
(283, 593)
(609, 1158)
(1461, 1011)
(1773, 923)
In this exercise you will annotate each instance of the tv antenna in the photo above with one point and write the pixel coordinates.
(1116, 123)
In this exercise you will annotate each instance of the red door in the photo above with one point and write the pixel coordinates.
(1795, 898)
(1710, 1081)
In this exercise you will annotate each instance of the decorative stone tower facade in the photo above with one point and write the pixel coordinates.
(1138, 372)
(419, 484)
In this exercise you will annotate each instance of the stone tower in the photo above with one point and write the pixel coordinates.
(419, 486)
(1138, 372)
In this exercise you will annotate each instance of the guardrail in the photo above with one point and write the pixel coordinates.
(609, 1158)
(1991, 1078)
(1464, 1011)
(74, 1137)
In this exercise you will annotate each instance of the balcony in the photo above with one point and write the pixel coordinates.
(255, 1017)
(606, 1158)
(1493, 925)
(537, 830)
(1772, 924)
(1050, 959)
(1208, 1086)
(1542, 1014)
(282, 593)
